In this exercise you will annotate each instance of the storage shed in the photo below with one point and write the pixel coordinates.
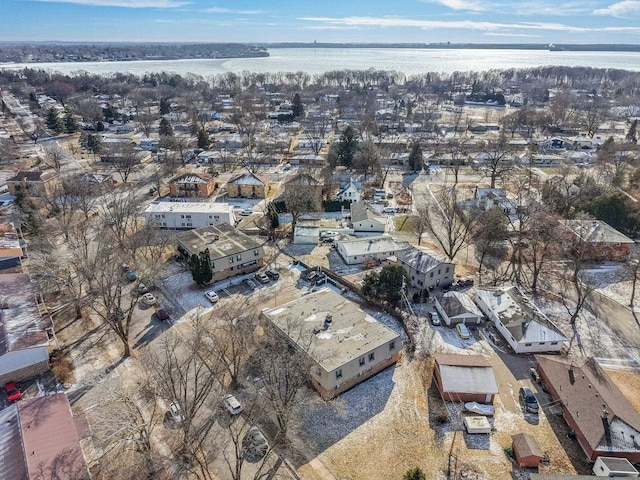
(526, 450)
(477, 424)
(464, 378)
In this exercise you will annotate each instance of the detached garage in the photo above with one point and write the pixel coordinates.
(465, 378)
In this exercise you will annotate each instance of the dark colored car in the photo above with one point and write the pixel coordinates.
(528, 399)
(12, 391)
(162, 314)
(272, 274)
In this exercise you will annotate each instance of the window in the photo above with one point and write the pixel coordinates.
(339, 374)
(543, 343)
(361, 361)
(392, 346)
(210, 216)
(527, 344)
(372, 356)
(438, 271)
(189, 224)
(431, 275)
(255, 253)
(230, 259)
(554, 343)
(189, 216)
(238, 257)
(181, 216)
(446, 270)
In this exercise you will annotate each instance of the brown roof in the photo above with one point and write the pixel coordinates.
(50, 440)
(603, 414)
(301, 179)
(526, 445)
(32, 176)
(462, 360)
(12, 461)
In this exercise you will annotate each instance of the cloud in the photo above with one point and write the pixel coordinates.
(232, 10)
(523, 35)
(625, 9)
(124, 3)
(469, 5)
(387, 22)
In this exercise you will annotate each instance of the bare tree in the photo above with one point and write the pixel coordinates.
(450, 225)
(541, 244)
(54, 155)
(120, 215)
(421, 220)
(489, 234)
(497, 159)
(367, 158)
(233, 341)
(299, 200)
(125, 159)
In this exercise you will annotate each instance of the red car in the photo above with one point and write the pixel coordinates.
(12, 391)
(162, 314)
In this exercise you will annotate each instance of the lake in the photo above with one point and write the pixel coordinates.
(320, 60)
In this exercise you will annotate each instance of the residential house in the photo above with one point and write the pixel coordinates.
(355, 251)
(457, 307)
(349, 192)
(426, 268)
(307, 231)
(605, 423)
(488, 198)
(306, 182)
(24, 342)
(188, 215)
(306, 159)
(247, 185)
(345, 343)
(40, 440)
(232, 252)
(33, 183)
(192, 185)
(464, 378)
(606, 242)
(366, 220)
(526, 450)
(525, 328)
(10, 246)
(614, 467)
(542, 160)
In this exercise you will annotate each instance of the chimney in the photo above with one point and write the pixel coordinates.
(327, 322)
(572, 377)
(606, 426)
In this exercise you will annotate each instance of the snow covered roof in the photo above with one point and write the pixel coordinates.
(351, 333)
(21, 324)
(246, 179)
(361, 211)
(371, 245)
(596, 231)
(422, 259)
(222, 240)
(191, 178)
(524, 321)
(466, 374)
(458, 303)
(188, 207)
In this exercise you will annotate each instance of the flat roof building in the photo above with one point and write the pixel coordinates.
(345, 343)
(188, 215)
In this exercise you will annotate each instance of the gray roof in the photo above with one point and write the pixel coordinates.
(458, 303)
(352, 333)
(222, 240)
(361, 211)
(596, 231)
(618, 464)
(12, 460)
(541, 476)
(371, 245)
(191, 178)
(247, 179)
(466, 374)
(525, 321)
(422, 259)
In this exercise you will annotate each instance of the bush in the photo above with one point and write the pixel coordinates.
(508, 451)
(334, 205)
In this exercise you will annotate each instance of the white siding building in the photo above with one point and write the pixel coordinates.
(356, 251)
(426, 269)
(365, 219)
(519, 321)
(186, 215)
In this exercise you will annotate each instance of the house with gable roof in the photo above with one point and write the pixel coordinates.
(365, 219)
(248, 185)
(192, 185)
(349, 192)
(525, 328)
(426, 268)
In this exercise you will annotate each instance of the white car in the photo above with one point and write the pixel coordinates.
(245, 212)
(176, 412)
(232, 404)
(149, 299)
(212, 296)
(435, 318)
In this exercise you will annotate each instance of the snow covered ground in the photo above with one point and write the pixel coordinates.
(613, 280)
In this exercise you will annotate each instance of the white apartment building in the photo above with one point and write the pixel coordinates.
(187, 215)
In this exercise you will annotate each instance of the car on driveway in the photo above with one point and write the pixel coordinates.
(162, 314)
(254, 444)
(261, 277)
(212, 296)
(435, 318)
(176, 412)
(528, 399)
(251, 285)
(245, 212)
(12, 392)
(272, 274)
(149, 299)
(232, 404)
(463, 331)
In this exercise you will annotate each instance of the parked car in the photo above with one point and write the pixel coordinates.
(311, 275)
(261, 277)
(176, 412)
(12, 392)
(232, 404)
(162, 314)
(149, 299)
(245, 212)
(528, 399)
(131, 276)
(251, 285)
(321, 279)
(463, 331)
(435, 318)
(212, 296)
(272, 274)
(142, 288)
(534, 374)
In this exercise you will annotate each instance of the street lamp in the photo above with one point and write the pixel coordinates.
(634, 269)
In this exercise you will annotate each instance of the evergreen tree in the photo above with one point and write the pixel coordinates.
(206, 272)
(632, 134)
(194, 264)
(203, 139)
(415, 158)
(164, 106)
(70, 124)
(166, 130)
(297, 106)
(414, 474)
(53, 121)
(347, 146)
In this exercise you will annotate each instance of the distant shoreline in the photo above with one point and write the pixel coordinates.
(595, 47)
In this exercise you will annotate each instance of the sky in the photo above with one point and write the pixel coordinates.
(265, 21)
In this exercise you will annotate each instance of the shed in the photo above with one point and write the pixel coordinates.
(465, 378)
(307, 231)
(526, 450)
(614, 467)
